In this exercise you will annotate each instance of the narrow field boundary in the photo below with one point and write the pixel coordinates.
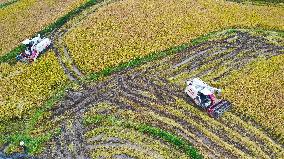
(6, 4)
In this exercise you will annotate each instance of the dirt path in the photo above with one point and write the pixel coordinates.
(59, 47)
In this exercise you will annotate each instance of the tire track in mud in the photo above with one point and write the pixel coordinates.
(253, 49)
(146, 103)
(112, 142)
(69, 144)
(69, 74)
(153, 79)
(218, 133)
(73, 73)
(60, 48)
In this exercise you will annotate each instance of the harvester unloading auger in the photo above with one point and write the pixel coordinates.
(203, 96)
(34, 47)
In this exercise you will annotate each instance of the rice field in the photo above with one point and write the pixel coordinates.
(112, 83)
(24, 88)
(124, 30)
(152, 94)
(25, 18)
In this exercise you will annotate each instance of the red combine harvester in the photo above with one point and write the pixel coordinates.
(203, 96)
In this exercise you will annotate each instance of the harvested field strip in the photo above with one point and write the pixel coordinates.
(164, 119)
(178, 116)
(155, 132)
(121, 152)
(205, 145)
(233, 135)
(170, 125)
(260, 137)
(123, 135)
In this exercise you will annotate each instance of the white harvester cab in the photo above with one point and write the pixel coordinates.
(34, 47)
(204, 96)
(34, 40)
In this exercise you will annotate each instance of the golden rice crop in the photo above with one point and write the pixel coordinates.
(127, 29)
(26, 86)
(24, 18)
(260, 92)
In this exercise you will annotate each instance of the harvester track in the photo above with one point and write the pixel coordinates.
(148, 92)
(59, 47)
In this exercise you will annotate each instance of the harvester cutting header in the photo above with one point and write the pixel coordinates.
(203, 96)
(34, 47)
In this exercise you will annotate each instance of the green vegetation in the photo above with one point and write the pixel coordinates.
(11, 56)
(24, 133)
(144, 128)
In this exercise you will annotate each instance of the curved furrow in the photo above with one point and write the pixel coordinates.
(228, 134)
(224, 137)
(112, 135)
(70, 143)
(208, 147)
(167, 114)
(143, 116)
(60, 48)
(114, 142)
(260, 47)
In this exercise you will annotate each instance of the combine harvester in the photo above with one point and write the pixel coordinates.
(203, 96)
(34, 47)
